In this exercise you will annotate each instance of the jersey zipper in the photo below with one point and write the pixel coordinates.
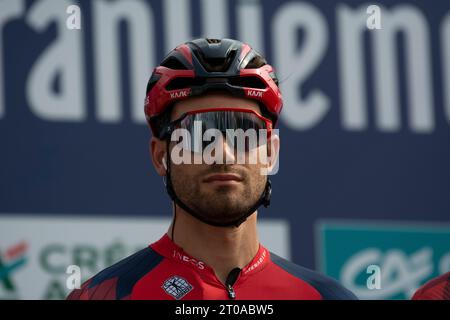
(231, 293)
(231, 280)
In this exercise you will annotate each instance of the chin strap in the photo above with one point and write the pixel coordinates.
(264, 200)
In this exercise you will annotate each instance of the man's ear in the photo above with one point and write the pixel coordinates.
(157, 149)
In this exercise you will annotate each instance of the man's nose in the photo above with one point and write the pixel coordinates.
(228, 151)
(221, 146)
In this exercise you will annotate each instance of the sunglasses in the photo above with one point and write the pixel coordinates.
(243, 129)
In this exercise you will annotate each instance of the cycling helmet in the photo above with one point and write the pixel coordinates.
(200, 65)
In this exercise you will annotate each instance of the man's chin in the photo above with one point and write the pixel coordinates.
(226, 211)
(223, 198)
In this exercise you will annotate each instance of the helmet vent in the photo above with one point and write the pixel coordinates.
(256, 62)
(184, 82)
(173, 63)
(249, 82)
(151, 83)
(213, 41)
(216, 64)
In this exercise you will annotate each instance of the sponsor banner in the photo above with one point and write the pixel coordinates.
(382, 259)
(35, 251)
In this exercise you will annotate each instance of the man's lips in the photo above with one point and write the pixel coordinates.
(222, 177)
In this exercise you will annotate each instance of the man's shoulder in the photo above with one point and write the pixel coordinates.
(116, 282)
(329, 288)
(435, 289)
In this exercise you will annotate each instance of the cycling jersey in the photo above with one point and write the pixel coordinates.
(164, 271)
(435, 289)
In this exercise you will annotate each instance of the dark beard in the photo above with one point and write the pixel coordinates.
(223, 205)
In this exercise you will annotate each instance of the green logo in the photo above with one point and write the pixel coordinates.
(406, 255)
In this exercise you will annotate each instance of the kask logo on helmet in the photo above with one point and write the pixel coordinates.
(254, 93)
(179, 94)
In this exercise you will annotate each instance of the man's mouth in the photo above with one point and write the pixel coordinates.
(223, 179)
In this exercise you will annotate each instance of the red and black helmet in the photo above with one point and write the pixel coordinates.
(202, 65)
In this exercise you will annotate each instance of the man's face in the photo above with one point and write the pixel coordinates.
(218, 192)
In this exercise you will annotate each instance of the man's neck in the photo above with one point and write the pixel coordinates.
(221, 248)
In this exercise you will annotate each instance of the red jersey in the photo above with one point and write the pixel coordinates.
(164, 271)
(435, 289)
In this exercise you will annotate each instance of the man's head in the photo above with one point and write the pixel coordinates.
(218, 192)
(214, 75)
